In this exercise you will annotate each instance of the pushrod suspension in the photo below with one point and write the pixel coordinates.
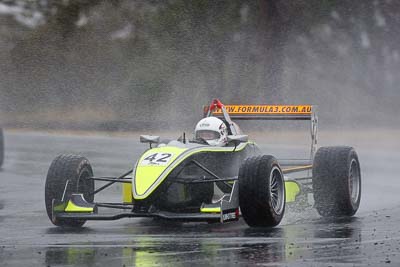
(219, 179)
(111, 183)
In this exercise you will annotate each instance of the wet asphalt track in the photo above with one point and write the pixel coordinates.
(27, 238)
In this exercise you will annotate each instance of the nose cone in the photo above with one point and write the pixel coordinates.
(152, 168)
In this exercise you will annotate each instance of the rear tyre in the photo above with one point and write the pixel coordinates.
(74, 170)
(261, 191)
(336, 181)
(1, 147)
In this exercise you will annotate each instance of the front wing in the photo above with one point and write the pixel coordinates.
(77, 208)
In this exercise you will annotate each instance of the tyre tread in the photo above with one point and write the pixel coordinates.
(253, 188)
(330, 181)
(64, 167)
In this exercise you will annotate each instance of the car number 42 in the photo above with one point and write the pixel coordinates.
(156, 159)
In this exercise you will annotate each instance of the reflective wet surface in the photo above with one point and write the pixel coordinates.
(27, 238)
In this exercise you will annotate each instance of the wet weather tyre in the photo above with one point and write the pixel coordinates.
(261, 191)
(336, 181)
(68, 174)
(1, 147)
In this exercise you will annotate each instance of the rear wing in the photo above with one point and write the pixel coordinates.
(266, 112)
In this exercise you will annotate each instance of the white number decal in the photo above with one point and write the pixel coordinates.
(156, 159)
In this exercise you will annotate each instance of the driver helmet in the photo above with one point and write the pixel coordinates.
(212, 130)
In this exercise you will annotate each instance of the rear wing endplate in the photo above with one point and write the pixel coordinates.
(267, 112)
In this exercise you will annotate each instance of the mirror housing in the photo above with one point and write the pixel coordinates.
(237, 139)
(152, 139)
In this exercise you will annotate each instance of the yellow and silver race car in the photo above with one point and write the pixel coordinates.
(191, 180)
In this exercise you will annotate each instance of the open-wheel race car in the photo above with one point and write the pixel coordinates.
(217, 176)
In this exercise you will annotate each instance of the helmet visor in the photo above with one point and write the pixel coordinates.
(207, 135)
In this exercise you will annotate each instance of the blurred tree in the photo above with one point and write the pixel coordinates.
(138, 57)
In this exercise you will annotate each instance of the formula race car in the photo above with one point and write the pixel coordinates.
(198, 180)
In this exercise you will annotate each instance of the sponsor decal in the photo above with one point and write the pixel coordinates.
(156, 159)
(266, 109)
(230, 215)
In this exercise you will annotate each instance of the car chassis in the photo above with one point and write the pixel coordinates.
(70, 200)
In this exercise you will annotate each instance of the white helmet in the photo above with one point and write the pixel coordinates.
(212, 130)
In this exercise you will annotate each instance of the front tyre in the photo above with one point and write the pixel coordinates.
(336, 181)
(261, 191)
(68, 174)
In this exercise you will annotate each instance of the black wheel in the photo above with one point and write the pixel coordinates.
(261, 191)
(1, 147)
(68, 174)
(336, 181)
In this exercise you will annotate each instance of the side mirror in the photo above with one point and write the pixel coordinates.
(152, 139)
(237, 139)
